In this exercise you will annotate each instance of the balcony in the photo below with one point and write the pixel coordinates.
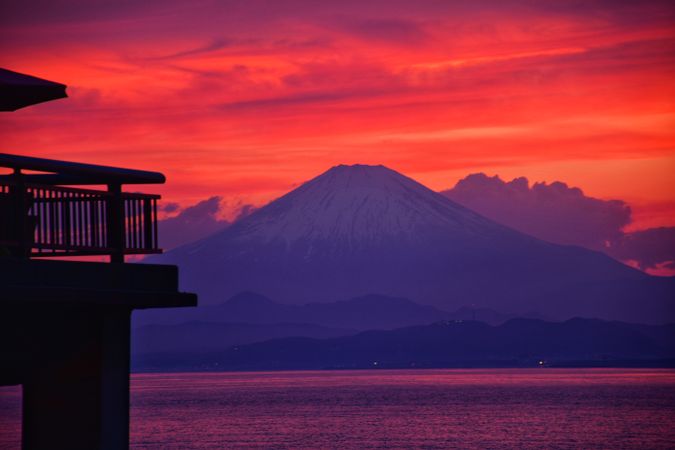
(65, 323)
(45, 211)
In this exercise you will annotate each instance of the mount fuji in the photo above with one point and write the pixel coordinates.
(357, 230)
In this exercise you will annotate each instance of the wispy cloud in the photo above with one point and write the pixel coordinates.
(396, 31)
(209, 47)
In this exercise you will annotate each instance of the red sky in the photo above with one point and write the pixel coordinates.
(245, 99)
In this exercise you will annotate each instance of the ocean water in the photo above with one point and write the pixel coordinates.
(497, 408)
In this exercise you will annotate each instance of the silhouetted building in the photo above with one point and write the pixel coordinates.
(64, 324)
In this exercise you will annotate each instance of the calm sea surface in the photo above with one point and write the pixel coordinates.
(501, 408)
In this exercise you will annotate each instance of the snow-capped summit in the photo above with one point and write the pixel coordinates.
(357, 230)
(357, 206)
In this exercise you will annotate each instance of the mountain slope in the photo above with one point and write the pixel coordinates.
(362, 313)
(356, 230)
(369, 312)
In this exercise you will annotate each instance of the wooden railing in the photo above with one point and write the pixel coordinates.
(46, 220)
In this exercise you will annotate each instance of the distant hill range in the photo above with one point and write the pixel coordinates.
(356, 230)
(249, 317)
(516, 343)
(200, 337)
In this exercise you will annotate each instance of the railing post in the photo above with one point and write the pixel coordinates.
(18, 191)
(115, 223)
(147, 224)
(67, 231)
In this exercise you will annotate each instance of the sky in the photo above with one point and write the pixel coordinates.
(247, 99)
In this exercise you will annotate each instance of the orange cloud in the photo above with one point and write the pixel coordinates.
(246, 100)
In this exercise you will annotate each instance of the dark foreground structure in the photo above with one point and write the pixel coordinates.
(64, 325)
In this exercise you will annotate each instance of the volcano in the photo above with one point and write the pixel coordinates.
(358, 230)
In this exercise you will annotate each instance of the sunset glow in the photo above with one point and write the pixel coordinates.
(247, 99)
(342, 224)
